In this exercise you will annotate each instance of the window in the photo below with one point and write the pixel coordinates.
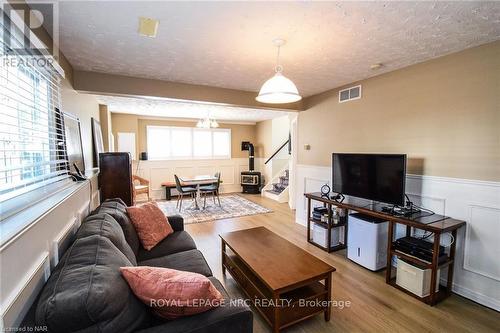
(171, 143)
(158, 142)
(181, 143)
(202, 142)
(32, 147)
(220, 146)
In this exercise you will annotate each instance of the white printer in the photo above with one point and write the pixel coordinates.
(367, 241)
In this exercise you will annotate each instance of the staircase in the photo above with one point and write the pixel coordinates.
(281, 185)
(277, 189)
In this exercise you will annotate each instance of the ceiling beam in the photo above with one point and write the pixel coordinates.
(119, 85)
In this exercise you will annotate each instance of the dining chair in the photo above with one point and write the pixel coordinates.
(141, 186)
(211, 189)
(183, 190)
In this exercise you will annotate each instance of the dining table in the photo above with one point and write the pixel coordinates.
(197, 181)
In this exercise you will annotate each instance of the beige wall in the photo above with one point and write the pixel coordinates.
(444, 113)
(125, 123)
(105, 120)
(133, 123)
(270, 135)
(263, 138)
(84, 107)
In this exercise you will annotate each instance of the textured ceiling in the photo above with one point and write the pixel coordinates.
(229, 44)
(175, 109)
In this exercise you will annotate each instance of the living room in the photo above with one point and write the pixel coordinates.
(323, 166)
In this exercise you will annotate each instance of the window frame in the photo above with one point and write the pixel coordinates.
(192, 155)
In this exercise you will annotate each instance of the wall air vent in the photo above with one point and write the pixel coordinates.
(350, 94)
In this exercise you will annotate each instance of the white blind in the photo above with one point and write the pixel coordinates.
(180, 143)
(32, 144)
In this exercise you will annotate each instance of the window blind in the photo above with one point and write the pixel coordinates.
(32, 142)
(181, 143)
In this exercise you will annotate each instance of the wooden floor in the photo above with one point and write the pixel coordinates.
(375, 306)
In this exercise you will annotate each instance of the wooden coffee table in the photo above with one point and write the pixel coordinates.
(285, 283)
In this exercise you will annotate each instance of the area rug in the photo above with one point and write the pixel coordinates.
(232, 205)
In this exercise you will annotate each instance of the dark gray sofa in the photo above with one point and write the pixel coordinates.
(86, 292)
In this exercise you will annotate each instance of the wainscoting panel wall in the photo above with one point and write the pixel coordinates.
(32, 254)
(477, 268)
(482, 246)
(158, 172)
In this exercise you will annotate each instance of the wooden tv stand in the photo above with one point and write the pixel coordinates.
(436, 228)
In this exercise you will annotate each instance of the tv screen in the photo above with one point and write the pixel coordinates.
(377, 177)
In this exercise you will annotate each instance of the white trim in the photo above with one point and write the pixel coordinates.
(426, 177)
(314, 166)
(42, 265)
(38, 211)
(455, 180)
(294, 128)
(61, 237)
(482, 299)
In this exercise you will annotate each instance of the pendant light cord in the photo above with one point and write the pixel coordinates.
(278, 67)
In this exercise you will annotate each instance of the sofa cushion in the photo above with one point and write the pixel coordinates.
(191, 261)
(105, 225)
(150, 223)
(172, 293)
(176, 242)
(87, 292)
(119, 213)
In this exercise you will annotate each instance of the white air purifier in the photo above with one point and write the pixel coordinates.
(367, 241)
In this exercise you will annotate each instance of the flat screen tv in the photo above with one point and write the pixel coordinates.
(377, 177)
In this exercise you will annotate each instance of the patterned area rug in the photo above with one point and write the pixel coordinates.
(232, 206)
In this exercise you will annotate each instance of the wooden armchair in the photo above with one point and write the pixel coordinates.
(141, 186)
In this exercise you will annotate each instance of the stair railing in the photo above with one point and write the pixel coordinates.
(278, 150)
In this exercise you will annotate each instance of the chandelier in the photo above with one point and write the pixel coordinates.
(207, 123)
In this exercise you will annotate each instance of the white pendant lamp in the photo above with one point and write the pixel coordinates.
(278, 89)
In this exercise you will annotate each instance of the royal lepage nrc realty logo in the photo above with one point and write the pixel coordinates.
(31, 28)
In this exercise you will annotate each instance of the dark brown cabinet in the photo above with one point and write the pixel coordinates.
(115, 177)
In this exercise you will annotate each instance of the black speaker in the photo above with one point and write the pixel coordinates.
(143, 156)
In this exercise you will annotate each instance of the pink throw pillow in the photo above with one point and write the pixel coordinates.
(172, 293)
(150, 223)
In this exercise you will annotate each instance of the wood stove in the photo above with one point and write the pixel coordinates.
(250, 180)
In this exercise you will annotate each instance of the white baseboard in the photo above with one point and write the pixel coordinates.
(476, 297)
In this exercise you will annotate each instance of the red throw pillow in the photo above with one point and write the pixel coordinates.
(172, 293)
(150, 223)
